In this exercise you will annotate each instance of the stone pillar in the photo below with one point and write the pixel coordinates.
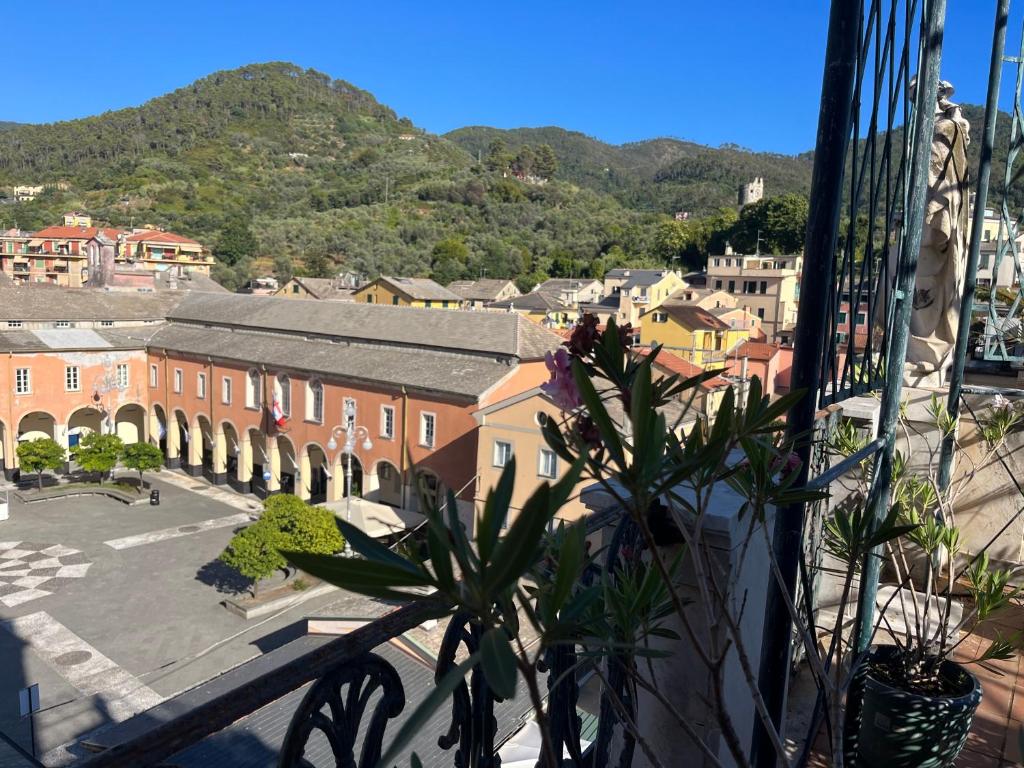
(371, 484)
(220, 458)
(337, 490)
(243, 473)
(302, 482)
(274, 459)
(173, 459)
(195, 450)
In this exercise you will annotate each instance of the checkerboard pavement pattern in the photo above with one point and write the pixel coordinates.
(29, 571)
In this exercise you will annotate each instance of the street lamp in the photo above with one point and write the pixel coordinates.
(351, 432)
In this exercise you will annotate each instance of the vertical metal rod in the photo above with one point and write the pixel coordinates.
(906, 278)
(956, 380)
(826, 203)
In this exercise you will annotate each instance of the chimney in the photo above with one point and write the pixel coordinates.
(728, 249)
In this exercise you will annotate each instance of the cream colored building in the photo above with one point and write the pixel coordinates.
(635, 291)
(767, 286)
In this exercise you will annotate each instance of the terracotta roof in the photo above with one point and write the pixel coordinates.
(673, 363)
(61, 232)
(159, 236)
(691, 316)
(756, 350)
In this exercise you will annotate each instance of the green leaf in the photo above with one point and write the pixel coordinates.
(440, 558)
(422, 714)
(495, 511)
(362, 576)
(570, 560)
(372, 549)
(498, 662)
(598, 412)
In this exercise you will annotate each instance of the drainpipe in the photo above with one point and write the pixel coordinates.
(405, 450)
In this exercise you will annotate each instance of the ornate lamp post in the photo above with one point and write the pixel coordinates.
(351, 432)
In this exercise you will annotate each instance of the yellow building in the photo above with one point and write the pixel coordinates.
(765, 285)
(691, 332)
(322, 288)
(407, 292)
(645, 289)
(159, 250)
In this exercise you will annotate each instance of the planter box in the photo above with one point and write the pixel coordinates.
(276, 599)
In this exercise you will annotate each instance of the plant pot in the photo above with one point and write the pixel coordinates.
(899, 729)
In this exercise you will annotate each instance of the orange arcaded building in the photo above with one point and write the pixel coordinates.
(208, 376)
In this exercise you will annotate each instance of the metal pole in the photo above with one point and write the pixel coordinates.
(826, 199)
(348, 484)
(903, 293)
(995, 71)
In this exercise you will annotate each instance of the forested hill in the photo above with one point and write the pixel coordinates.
(664, 175)
(282, 168)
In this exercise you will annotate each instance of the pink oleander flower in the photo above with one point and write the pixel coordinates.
(584, 336)
(562, 386)
(788, 464)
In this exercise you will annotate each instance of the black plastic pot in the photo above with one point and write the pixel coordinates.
(898, 729)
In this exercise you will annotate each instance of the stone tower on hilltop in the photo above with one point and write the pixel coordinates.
(751, 192)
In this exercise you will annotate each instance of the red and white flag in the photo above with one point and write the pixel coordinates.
(277, 413)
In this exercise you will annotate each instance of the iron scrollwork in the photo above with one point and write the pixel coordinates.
(346, 692)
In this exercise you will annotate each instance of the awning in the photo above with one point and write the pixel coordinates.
(35, 243)
(376, 520)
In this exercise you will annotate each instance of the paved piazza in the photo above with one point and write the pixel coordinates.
(112, 608)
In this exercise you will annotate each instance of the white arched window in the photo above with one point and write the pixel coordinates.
(253, 390)
(283, 390)
(315, 401)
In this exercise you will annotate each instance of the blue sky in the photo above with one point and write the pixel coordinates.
(712, 71)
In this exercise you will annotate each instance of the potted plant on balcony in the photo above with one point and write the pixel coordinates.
(918, 693)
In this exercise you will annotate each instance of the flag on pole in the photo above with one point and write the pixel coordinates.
(277, 413)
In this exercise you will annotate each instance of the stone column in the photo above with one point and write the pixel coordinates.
(337, 490)
(274, 459)
(243, 475)
(220, 458)
(305, 474)
(371, 484)
(195, 450)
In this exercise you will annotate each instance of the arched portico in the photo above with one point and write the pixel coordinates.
(314, 474)
(82, 422)
(389, 484)
(35, 425)
(261, 476)
(159, 433)
(183, 442)
(207, 444)
(130, 423)
(234, 458)
(286, 465)
(338, 490)
(426, 488)
(6, 465)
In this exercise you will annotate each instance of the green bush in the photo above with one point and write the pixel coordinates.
(287, 523)
(143, 457)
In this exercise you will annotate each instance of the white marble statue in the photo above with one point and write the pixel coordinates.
(943, 256)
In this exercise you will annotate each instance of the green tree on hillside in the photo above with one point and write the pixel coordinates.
(448, 260)
(37, 455)
(781, 221)
(524, 161)
(236, 241)
(498, 157)
(545, 163)
(317, 264)
(283, 269)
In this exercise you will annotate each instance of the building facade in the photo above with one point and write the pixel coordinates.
(766, 286)
(206, 380)
(407, 292)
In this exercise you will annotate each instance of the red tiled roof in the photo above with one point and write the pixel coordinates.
(159, 236)
(687, 370)
(76, 233)
(756, 350)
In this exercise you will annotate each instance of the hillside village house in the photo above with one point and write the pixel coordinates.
(200, 375)
(644, 290)
(322, 288)
(476, 294)
(693, 333)
(771, 363)
(58, 255)
(572, 291)
(407, 292)
(540, 308)
(766, 286)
